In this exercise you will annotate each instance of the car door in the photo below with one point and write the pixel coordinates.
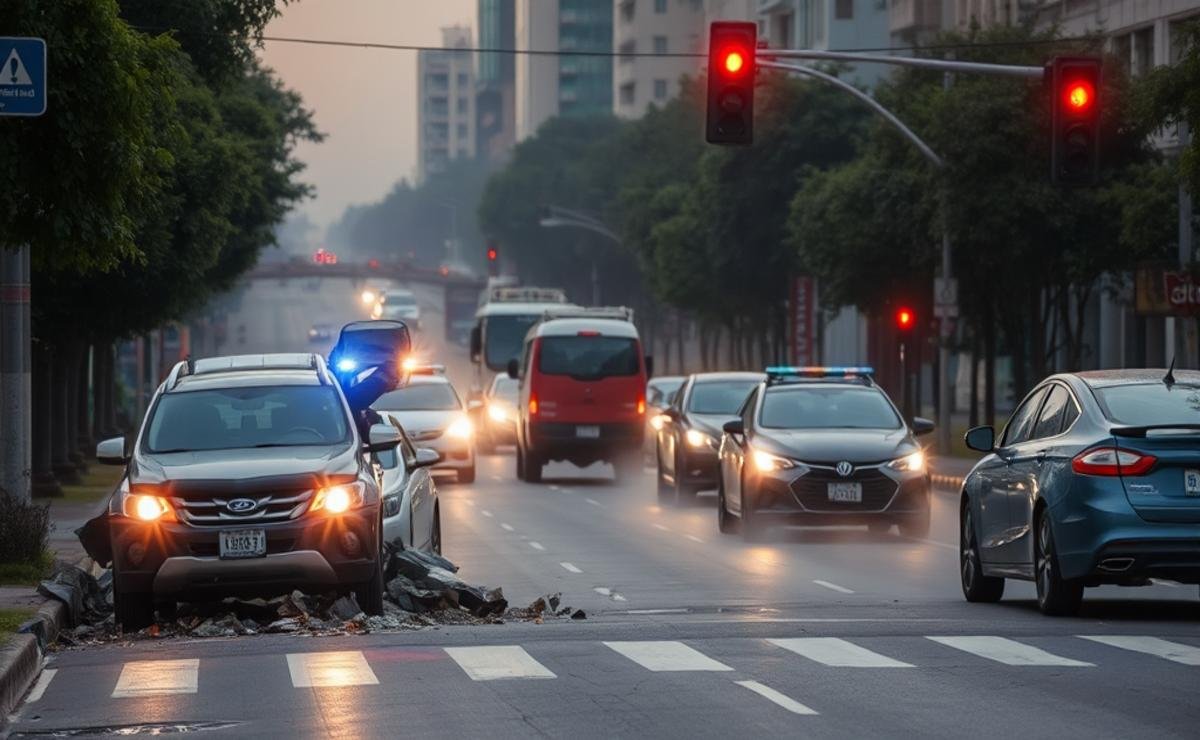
(420, 497)
(389, 465)
(733, 456)
(1002, 476)
(1045, 464)
(668, 436)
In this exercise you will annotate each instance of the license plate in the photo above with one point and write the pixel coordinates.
(243, 543)
(1191, 483)
(846, 493)
(589, 432)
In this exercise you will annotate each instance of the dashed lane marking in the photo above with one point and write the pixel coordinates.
(661, 527)
(486, 513)
(609, 593)
(667, 655)
(506, 526)
(594, 502)
(492, 662)
(1006, 651)
(537, 546)
(570, 568)
(833, 586)
(774, 696)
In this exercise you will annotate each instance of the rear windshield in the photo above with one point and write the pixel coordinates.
(1146, 404)
(724, 398)
(828, 408)
(588, 357)
(423, 397)
(506, 388)
(235, 418)
(661, 392)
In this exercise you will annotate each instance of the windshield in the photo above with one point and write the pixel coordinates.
(660, 392)
(400, 299)
(423, 397)
(724, 398)
(1148, 404)
(504, 338)
(233, 418)
(827, 408)
(506, 388)
(588, 357)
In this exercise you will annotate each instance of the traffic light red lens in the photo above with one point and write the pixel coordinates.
(491, 255)
(734, 62)
(904, 318)
(1079, 96)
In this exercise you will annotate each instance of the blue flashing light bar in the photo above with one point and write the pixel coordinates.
(346, 364)
(819, 372)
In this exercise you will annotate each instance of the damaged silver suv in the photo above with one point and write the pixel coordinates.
(247, 478)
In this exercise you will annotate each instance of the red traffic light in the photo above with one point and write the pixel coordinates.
(905, 319)
(492, 254)
(730, 95)
(1079, 96)
(734, 61)
(1075, 84)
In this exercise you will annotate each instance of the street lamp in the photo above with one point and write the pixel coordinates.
(560, 218)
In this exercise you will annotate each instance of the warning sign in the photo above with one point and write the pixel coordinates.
(22, 76)
(13, 72)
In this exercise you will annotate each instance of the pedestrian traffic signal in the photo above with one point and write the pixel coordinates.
(730, 117)
(1075, 119)
(905, 320)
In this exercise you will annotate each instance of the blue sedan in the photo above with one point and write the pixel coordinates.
(1095, 480)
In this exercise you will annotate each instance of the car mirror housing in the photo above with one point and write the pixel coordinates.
(382, 437)
(514, 370)
(112, 452)
(734, 427)
(426, 457)
(922, 426)
(981, 439)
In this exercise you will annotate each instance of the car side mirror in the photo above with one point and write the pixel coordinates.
(671, 413)
(649, 366)
(981, 439)
(112, 452)
(737, 426)
(382, 437)
(425, 457)
(514, 369)
(921, 426)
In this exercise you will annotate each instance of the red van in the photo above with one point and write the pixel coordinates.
(583, 391)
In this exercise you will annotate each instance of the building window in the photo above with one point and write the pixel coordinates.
(628, 93)
(462, 130)
(660, 6)
(1143, 50)
(462, 79)
(628, 49)
(462, 106)
(660, 44)
(844, 10)
(660, 89)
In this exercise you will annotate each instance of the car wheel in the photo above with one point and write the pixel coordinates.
(435, 532)
(1056, 596)
(520, 464)
(131, 610)
(727, 523)
(533, 467)
(880, 527)
(916, 526)
(466, 475)
(370, 593)
(976, 586)
(753, 527)
(665, 492)
(684, 494)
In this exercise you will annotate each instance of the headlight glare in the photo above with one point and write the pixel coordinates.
(497, 411)
(767, 463)
(697, 438)
(911, 463)
(146, 508)
(460, 429)
(338, 499)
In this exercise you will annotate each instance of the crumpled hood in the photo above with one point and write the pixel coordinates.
(243, 464)
(831, 446)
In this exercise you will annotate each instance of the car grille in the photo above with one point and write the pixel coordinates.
(201, 511)
(812, 490)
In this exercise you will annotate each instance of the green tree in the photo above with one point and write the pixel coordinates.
(1170, 96)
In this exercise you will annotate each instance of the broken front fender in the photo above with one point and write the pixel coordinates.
(96, 540)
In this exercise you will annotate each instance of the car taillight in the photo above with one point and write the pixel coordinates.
(533, 405)
(641, 405)
(1112, 461)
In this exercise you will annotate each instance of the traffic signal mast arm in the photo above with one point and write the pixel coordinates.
(944, 65)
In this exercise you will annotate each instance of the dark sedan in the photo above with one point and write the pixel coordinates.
(1095, 480)
(822, 446)
(690, 433)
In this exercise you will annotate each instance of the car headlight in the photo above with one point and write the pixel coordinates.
(497, 411)
(367, 297)
(657, 421)
(339, 499)
(460, 429)
(146, 507)
(912, 463)
(697, 438)
(767, 463)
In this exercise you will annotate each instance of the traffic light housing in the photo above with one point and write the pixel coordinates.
(493, 259)
(730, 106)
(1074, 119)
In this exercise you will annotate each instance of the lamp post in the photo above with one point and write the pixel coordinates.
(558, 218)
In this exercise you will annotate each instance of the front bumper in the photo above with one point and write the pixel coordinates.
(801, 495)
(453, 453)
(701, 468)
(182, 561)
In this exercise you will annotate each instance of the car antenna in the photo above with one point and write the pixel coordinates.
(1169, 379)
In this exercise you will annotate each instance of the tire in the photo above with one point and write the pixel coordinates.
(133, 611)
(977, 588)
(370, 593)
(880, 527)
(916, 526)
(753, 528)
(726, 523)
(520, 462)
(533, 467)
(435, 533)
(684, 494)
(466, 476)
(1056, 596)
(665, 491)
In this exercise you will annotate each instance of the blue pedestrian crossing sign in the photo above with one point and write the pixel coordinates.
(22, 76)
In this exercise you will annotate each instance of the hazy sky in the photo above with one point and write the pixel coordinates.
(363, 99)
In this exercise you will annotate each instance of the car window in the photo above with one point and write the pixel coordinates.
(1146, 403)
(1070, 414)
(235, 418)
(721, 398)
(421, 397)
(1021, 423)
(588, 357)
(747, 410)
(846, 407)
(505, 388)
(1050, 420)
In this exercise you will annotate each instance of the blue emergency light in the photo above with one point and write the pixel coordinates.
(819, 372)
(346, 365)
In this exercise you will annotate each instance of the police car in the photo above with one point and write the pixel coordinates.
(822, 446)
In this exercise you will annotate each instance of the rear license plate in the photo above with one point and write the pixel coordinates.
(243, 543)
(1191, 483)
(846, 493)
(588, 432)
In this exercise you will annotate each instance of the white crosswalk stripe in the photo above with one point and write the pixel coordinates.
(491, 662)
(157, 678)
(1006, 651)
(1176, 652)
(334, 668)
(834, 651)
(667, 655)
(771, 694)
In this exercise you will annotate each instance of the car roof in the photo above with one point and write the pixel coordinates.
(666, 380)
(244, 379)
(515, 309)
(726, 376)
(572, 327)
(1141, 376)
(822, 383)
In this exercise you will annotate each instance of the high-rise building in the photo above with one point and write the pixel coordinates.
(445, 102)
(829, 25)
(495, 97)
(642, 27)
(562, 84)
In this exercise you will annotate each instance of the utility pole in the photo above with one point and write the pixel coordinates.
(1186, 343)
(948, 309)
(16, 459)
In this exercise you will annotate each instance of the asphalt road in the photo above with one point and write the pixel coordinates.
(816, 633)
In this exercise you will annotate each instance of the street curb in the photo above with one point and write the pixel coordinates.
(21, 659)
